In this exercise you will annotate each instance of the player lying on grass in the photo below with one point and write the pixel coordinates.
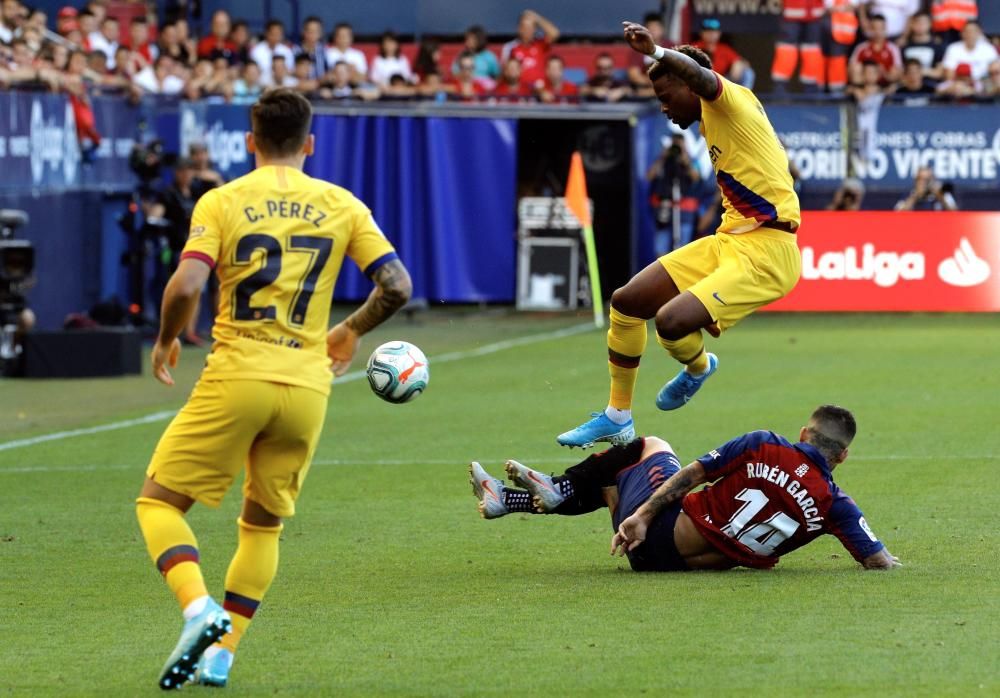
(768, 498)
(712, 283)
(276, 239)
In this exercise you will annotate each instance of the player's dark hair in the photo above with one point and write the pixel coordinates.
(312, 19)
(876, 18)
(831, 430)
(652, 17)
(271, 23)
(281, 120)
(660, 69)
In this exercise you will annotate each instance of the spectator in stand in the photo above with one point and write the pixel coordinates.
(879, 50)
(66, 20)
(950, 17)
(122, 65)
(991, 85)
(556, 88)
(184, 39)
(531, 49)
(107, 41)
(428, 61)
(97, 62)
(205, 82)
(638, 63)
(961, 85)
(205, 176)
(603, 86)
(306, 83)
(928, 194)
(75, 83)
(40, 21)
(921, 45)
(169, 43)
(273, 45)
(511, 86)
(87, 24)
(725, 60)
(138, 40)
(800, 33)
(389, 61)
(839, 32)
(465, 83)
(973, 50)
(218, 43)
(248, 87)
(160, 78)
(281, 76)
(239, 37)
(896, 14)
(338, 82)
(312, 47)
(398, 88)
(848, 197)
(915, 89)
(342, 49)
(476, 43)
(10, 19)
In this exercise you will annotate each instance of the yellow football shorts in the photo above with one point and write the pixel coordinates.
(271, 429)
(733, 275)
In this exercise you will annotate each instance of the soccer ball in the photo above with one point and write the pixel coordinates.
(397, 371)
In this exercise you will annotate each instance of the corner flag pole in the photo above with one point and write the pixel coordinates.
(579, 204)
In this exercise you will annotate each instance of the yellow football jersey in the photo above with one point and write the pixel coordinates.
(277, 238)
(750, 163)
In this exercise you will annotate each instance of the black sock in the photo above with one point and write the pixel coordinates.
(518, 501)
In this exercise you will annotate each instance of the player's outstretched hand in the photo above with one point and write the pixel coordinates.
(639, 38)
(341, 344)
(165, 355)
(631, 533)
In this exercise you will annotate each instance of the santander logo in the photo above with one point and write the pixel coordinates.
(885, 269)
(964, 268)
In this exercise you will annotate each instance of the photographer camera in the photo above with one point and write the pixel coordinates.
(928, 194)
(17, 266)
(674, 187)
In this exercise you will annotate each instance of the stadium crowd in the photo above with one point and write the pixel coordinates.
(904, 48)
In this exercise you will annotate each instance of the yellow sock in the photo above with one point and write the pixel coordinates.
(627, 341)
(689, 350)
(249, 577)
(173, 547)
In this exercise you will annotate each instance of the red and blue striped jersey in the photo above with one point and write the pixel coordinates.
(771, 497)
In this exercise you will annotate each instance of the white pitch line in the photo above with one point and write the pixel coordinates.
(346, 378)
(490, 462)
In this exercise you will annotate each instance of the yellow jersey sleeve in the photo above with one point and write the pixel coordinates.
(368, 247)
(205, 238)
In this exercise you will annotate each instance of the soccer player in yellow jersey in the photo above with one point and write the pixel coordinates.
(712, 283)
(276, 239)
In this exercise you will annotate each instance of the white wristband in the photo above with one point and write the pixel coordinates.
(658, 53)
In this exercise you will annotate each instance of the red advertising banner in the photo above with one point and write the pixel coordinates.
(897, 261)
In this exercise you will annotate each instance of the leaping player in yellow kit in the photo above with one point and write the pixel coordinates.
(713, 283)
(276, 239)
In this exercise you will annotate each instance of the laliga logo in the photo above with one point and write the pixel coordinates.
(884, 268)
(964, 268)
(52, 144)
(224, 147)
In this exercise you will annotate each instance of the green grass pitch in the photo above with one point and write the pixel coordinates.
(390, 584)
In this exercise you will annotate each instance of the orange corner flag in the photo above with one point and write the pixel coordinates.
(576, 191)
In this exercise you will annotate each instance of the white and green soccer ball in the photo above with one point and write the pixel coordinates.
(397, 371)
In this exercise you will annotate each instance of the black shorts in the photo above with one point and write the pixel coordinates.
(636, 484)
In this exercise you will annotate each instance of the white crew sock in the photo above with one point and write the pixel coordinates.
(195, 607)
(618, 416)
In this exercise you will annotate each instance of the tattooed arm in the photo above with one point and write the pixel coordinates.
(392, 291)
(702, 81)
(632, 530)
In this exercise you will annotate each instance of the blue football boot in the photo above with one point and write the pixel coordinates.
(683, 386)
(198, 634)
(600, 428)
(213, 670)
